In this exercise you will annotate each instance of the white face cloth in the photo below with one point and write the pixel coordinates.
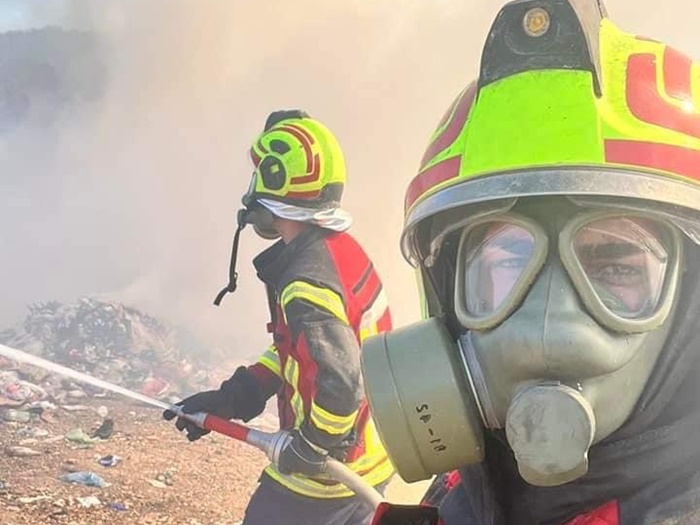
(336, 219)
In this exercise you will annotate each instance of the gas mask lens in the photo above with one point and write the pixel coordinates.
(497, 254)
(625, 260)
(498, 260)
(624, 267)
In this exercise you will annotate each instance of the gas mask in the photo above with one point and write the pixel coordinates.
(261, 219)
(558, 330)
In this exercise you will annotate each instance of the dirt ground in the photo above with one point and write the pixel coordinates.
(161, 478)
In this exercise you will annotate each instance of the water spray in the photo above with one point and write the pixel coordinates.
(271, 444)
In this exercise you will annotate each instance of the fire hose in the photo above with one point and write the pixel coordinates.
(270, 443)
(273, 443)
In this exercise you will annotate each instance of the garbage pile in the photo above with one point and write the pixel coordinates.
(107, 340)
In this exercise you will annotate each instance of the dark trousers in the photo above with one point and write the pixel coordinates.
(273, 504)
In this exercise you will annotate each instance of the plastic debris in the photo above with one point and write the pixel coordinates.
(33, 499)
(74, 408)
(89, 501)
(21, 452)
(111, 341)
(18, 416)
(120, 507)
(157, 484)
(89, 479)
(109, 461)
(77, 435)
(105, 429)
(32, 432)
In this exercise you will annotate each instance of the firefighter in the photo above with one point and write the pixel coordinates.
(325, 297)
(555, 224)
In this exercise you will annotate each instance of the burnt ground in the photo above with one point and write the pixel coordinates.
(161, 478)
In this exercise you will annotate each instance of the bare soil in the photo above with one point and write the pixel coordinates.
(161, 479)
(203, 483)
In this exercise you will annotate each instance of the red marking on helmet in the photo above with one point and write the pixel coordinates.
(665, 157)
(303, 131)
(313, 176)
(262, 147)
(313, 168)
(457, 116)
(255, 157)
(303, 194)
(430, 178)
(677, 70)
(645, 101)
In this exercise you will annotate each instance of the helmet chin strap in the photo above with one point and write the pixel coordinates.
(232, 273)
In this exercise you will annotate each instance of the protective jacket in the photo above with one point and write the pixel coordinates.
(325, 297)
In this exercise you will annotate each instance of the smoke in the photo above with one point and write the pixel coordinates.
(134, 197)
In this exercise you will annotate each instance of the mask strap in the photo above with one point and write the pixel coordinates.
(232, 273)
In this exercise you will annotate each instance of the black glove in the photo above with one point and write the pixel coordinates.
(239, 397)
(300, 457)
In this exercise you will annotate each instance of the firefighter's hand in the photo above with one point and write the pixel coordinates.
(301, 457)
(211, 401)
(239, 397)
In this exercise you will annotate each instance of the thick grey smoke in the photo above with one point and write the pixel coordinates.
(135, 198)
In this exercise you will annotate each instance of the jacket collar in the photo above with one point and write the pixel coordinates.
(271, 263)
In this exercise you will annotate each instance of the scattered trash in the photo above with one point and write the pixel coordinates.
(111, 341)
(109, 461)
(34, 499)
(47, 417)
(89, 501)
(18, 416)
(75, 408)
(105, 430)
(157, 484)
(21, 452)
(77, 435)
(32, 432)
(120, 507)
(89, 479)
(155, 387)
(167, 477)
(102, 411)
(14, 390)
(40, 406)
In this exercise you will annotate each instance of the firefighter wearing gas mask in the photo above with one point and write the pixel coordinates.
(555, 228)
(325, 297)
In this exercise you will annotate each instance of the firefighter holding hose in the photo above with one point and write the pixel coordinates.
(325, 297)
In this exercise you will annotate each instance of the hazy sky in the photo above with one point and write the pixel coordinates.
(136, 200)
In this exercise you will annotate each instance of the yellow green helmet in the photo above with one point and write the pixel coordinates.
(565, 104)
(297, 161)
